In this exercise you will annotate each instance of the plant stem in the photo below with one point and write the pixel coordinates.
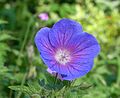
(55, 81)
(22, 48)
(118, 77)
(25, 37)
(22, 83)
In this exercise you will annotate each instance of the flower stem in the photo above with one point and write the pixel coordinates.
(25, 37)
(22, 83)
(55, 81)
(118, 77)
(21, 50)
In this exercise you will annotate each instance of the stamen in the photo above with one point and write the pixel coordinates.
(62, 56)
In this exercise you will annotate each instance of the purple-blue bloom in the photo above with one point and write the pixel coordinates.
(66, 49)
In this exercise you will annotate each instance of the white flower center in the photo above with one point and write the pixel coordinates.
(62, 56)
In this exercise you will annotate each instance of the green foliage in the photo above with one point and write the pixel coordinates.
(52, 90)
(30, 89)
(21, 66)
(4, 48)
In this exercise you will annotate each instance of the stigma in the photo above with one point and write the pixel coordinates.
(62, 56)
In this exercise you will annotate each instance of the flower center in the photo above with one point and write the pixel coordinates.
(62, 56)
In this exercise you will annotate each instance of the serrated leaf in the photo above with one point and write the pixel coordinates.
(23, 89)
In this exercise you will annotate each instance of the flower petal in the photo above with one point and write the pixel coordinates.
(84, 46)
(77, 71)
(74, 70)
(63, 31)
(42, 41)
(43, 44)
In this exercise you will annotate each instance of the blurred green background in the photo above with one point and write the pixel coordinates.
(19, 59)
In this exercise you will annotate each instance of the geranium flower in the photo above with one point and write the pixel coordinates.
(43, 16)
(66, 49)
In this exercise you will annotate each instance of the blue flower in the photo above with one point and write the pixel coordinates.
(66, 49)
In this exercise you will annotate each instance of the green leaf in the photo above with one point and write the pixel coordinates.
(23, 89)
(3, 22)
(4, 37)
